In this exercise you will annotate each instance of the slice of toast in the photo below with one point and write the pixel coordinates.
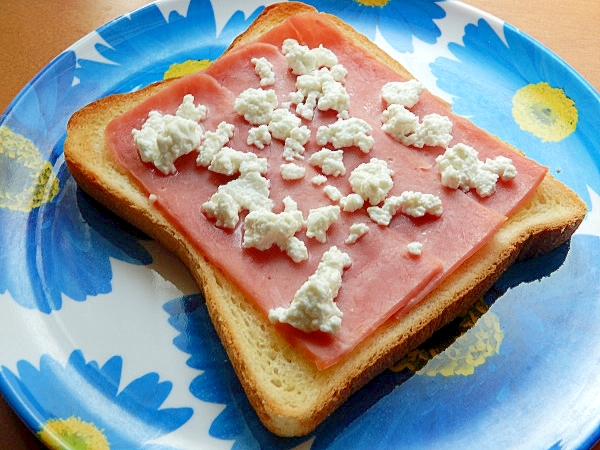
(290, 395)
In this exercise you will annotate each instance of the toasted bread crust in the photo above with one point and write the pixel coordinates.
(290, 395)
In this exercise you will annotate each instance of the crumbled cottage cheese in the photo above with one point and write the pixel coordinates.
(461, 168)
(417, 204)
(293, 147)
(404, 126)
(319, 220)
(320, 80)
(286, 126)
(313, 307)
(228, 161)
(318, 180)
(414, 204)
(282, 122)
(259, 136)
(188, 110)
(347, 133)
(357, 230)
(264, 69)
(405, 93)
(322, 89)
(248, 192)
(303, 60)
(399, 122)
(331, 162)
(256, 105)
(333, 193)
(164, 138)
(415, 248)
(372, 180)
(213, 142)
(291, 171)
(263, 229)
(352, 202)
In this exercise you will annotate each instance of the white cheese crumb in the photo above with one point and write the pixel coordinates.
(404, 126)
(213, 142)
(256, 105)
(188, 110)
(293, 147)
(228, 161)
(417, 204)
(405, 93)
(292, 171)
(415, 248)
(164, 138)
(381, 215)
(433, 131)
(414, 204)
(357, 230)
(372, 180)
(264, 69)
(282, 122)
(303, 60)
(313, 308)
(399, 122)
(322, 89)
(152, 198)
(263, 229)
(334, 96)
(501, 166)
(347, 133)
(333, 193)
(318, 180)
(259, 136)
(319, 220)
(248, 192)
(352, 202)
(460, 168)
(331, 162)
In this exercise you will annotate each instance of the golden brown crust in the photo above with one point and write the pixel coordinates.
(289, 394)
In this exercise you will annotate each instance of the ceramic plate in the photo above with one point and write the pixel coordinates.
(105, 338)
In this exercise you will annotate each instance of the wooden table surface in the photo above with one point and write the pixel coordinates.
(33, 32)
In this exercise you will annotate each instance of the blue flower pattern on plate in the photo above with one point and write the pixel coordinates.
(140, 56)
(64, 247)
(96, 398)
(74, 257)
(485, 76)
(398, 21)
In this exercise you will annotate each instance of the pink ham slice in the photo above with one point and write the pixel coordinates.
(383, 277)
(313, 30)
(274, 278)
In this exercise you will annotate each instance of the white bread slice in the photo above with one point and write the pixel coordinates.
(290, 395)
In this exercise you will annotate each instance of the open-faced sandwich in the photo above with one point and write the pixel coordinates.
(333, 211)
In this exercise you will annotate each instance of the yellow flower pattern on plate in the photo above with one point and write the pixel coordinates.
(26, 180)
(544, 111)
(186, 67)
(481, 336)
(72, 434)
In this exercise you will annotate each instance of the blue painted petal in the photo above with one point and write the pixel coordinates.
(398, 21)
(401, 20)
(146, 390)
(88, 391)
(64, 248)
